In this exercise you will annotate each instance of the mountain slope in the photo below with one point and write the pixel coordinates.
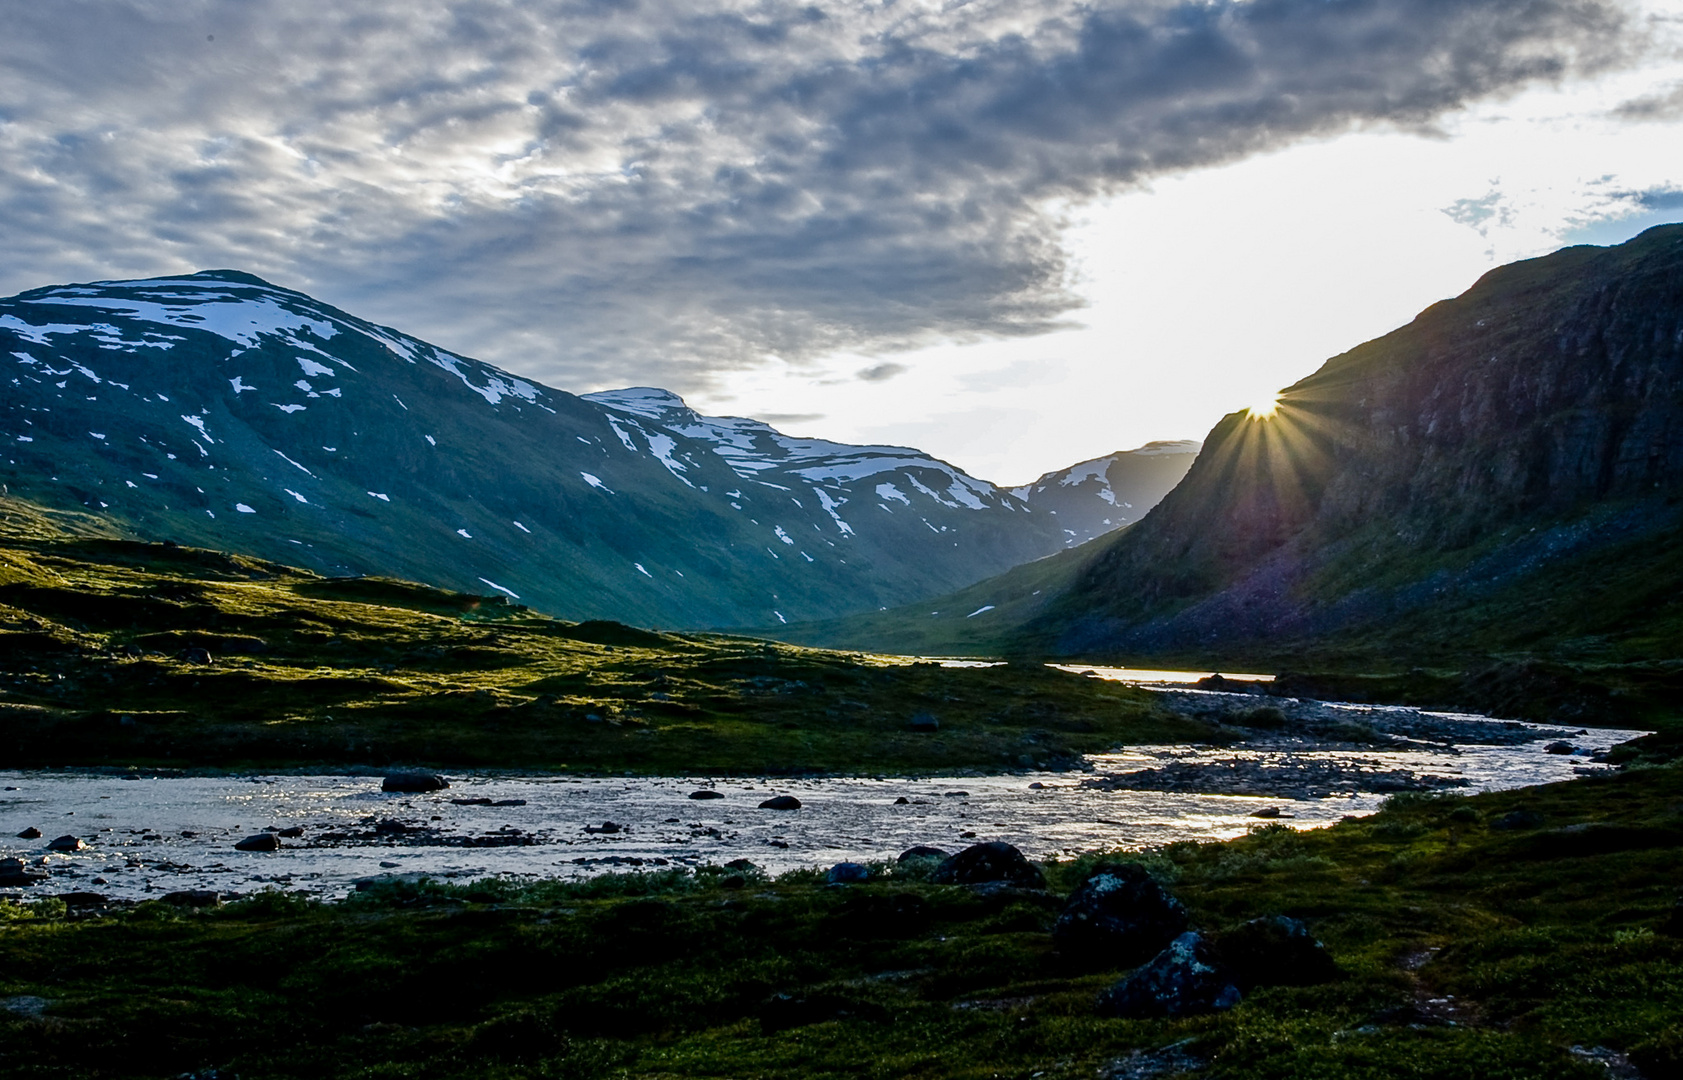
(1091, 498)
(220, 410)
(1503, 473)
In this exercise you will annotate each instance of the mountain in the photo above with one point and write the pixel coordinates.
(1503, 475)
(1094, 497)
(220, 410)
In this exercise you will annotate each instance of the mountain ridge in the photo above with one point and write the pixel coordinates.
(221, 410)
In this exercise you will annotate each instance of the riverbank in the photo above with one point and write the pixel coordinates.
(1519, 933)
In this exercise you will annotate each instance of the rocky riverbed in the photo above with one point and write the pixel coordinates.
(138, 835)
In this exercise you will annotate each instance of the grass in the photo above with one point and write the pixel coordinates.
(104, 644)
(1542, 939)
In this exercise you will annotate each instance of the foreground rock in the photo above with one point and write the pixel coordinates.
(982, 863)
(1274, 951)
(1119, 915)
(922, 851)
(847, 873)
(413, 782)
(1184, 979)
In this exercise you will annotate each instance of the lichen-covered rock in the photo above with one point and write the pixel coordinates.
(1185, 979)
(994, 861)
(1274, 951)
(1119, 915)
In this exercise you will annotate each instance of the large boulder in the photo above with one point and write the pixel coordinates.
(921, 851)
(1274, 951)
(995, 861)
(1118, 915)
(781, 802)
(67, 843)
(1185, 979)
(31, 833)
(413, 782)
(847, 873)
(263, 841)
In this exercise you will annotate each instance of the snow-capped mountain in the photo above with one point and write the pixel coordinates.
(220, 410)
(1093, 497)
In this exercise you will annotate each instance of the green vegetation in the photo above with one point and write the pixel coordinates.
(1470, 945)
(115, 652)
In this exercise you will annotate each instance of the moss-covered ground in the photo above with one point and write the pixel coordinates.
(115, 652)
(1465, 950)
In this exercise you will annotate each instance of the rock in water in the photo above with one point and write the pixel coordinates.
(847, 873)
(707, 793)
(67, 843)
(31, 833)
(1119, 915)
(14, 874)
(1184, 979)
(921, 851)
(1274, 951)
(781, 802)
(996, 861)
(262, 841)
(413, 782)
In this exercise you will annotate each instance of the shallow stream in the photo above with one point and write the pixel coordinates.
(154, 835)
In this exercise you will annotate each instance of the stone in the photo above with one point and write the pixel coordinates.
(1517, 819)
(1119, 915)
(194, 655)
(291, 832)
(847, 873)
(413, 782)
(14, 874)
(1185, 979)
(83, 899)
(67, 843)
(31, 833)
(742, 865)
(902, 801)
(921, 851)
(706, 794)
(262, 841)
(781, 802)
(994, 861)
(196, 898)
(1560, 747)
(609, 827)
(925, 721)
(1274, 951)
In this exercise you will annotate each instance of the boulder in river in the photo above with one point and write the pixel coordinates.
(195, 898)
(31, 833)
(781, 802)
(1185, 979)
(1118, 915)
(291, 832)
(1274, 951)
(263, 841)
(921, 851)
(413, 782)
(14, 874)
(706, 793)
(1560, 746)
(994, 861)
(847, 873)
(67, 843)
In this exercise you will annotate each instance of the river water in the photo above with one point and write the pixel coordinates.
(148, 836)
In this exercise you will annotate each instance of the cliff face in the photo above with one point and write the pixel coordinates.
(1536, 419)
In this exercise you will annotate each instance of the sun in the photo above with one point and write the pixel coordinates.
(1265, 408)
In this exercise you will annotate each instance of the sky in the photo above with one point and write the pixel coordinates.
(1013, 234)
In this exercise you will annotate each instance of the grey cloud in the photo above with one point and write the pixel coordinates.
(651, 190)
(882, 372)
(1666, 106)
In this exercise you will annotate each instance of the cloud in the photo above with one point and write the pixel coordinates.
(594, 191)
(792, 418)
(1666, 106)
(882, 372)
